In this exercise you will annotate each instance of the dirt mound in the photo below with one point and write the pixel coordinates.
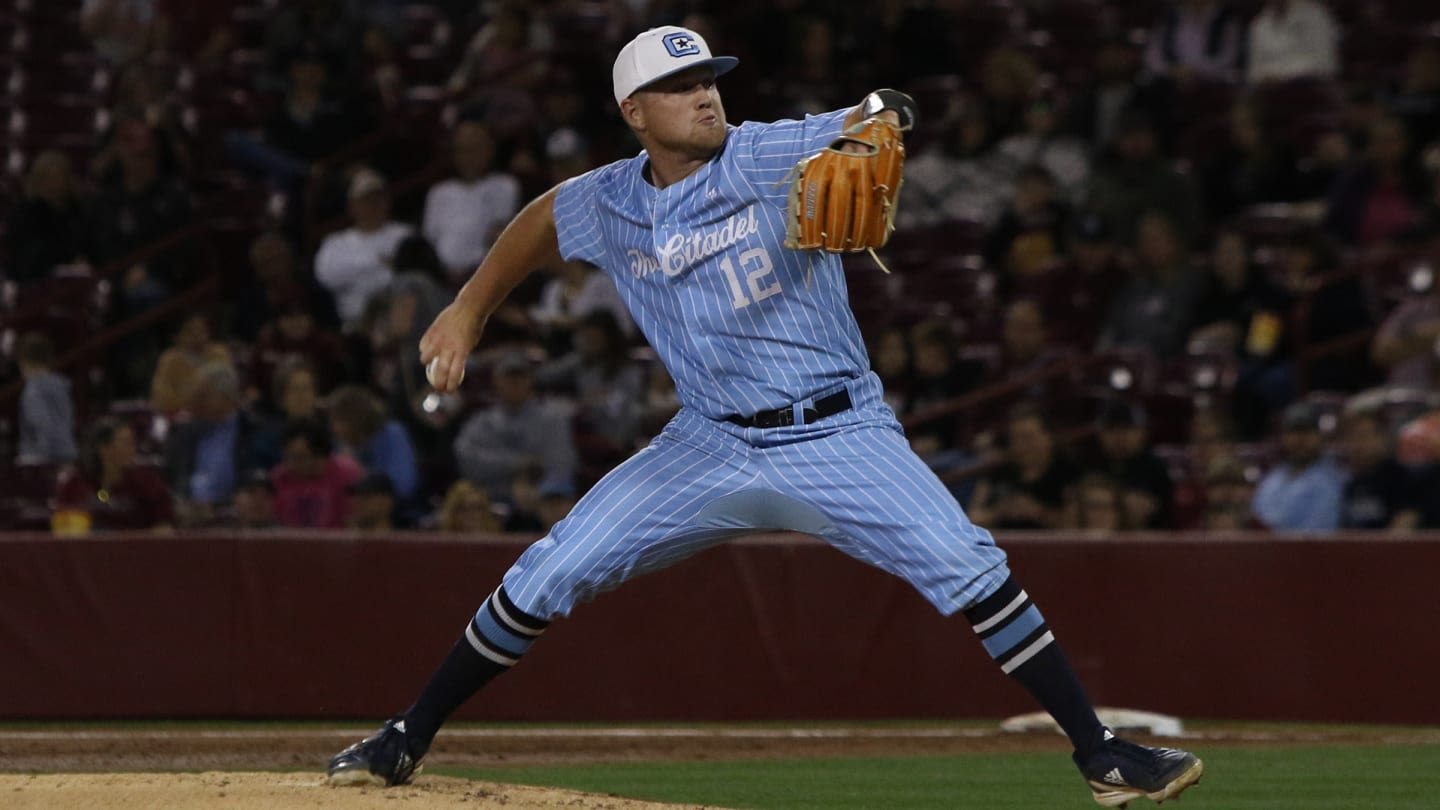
(281, 791)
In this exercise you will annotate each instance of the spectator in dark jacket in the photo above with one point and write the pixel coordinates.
(48, 227)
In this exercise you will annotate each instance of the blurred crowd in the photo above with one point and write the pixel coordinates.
(1158, 265)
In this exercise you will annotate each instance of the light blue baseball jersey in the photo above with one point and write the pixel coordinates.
(742, 323)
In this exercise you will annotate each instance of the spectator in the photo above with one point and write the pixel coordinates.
(957, 178)
(1008, 80)
(372, 503)
(1407, 345)
(467, 509)
(106, 490)
(577, 289)
(1242, 312)
(518, 431)
(365, 431)
(609, 386)
(1196, 40)
(1119, 88)
(1027, 239)
(1096, 505)
(1227, 497)
(122, 31)
(507, 52)
(47, 410)
(254, 506)
(890, 359)
(465, 213)
(294, 333)
(139, 204)
(357, 262)
(416, 295)
(1304, 492)
(310, 123)
(1416, 100)
(1382, 198)
(1380, 493)
(1025, 345)
(208, 454)
(1155, 309)
(175, 372)
(48, 227)
(1338, 304)
(311, 482)
(294, 397)
(1135, 178)
(274, 281)
(1251, 166)
(523, 501)
(1147, 495)
(1292, 39)
(326, 24)
(1044, 143)
(938, 376)
(1031, 487)
(1094, 271)
(144, 91)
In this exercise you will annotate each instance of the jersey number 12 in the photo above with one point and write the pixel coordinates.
(760, 279)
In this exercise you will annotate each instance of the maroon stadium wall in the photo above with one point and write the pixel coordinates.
(774, 627)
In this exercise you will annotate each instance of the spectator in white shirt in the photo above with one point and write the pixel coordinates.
(576, 290)
(465, 213)
(1292, 39)
(356, 263)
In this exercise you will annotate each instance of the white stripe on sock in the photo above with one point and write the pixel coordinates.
(485, 650)
(508, 619)
(1028, 653)
(1003, 614)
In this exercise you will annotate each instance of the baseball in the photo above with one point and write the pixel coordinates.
(435, 364)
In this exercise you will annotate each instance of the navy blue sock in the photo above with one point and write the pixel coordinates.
(493, 642)
(1016, 636)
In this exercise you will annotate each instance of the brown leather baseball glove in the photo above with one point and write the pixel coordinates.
(843, 197)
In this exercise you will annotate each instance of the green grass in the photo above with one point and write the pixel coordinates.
(1318, 778)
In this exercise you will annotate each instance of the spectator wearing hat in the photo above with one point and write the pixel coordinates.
(1147, 494)
(1305, 491)
(1381, 492)
(254, 504)
(1292, 39)
(311, 484)
(519, 430)
(47, 410)
(464, 214)
(372, 503)
(356, 263)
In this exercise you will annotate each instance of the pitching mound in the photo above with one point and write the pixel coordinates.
(279, 791)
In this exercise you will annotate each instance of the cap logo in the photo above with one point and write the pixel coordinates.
(681, 43)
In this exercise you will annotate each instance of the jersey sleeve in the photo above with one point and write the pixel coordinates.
(767, 152)
(576, 227)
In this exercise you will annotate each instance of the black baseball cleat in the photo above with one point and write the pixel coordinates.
(382, 759)
(1122, 771)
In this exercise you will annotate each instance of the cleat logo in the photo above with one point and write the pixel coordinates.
(1114, 777)
(400, 726)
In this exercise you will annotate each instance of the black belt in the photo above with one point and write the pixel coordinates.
(838, 402)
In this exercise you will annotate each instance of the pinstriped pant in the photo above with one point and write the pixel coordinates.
(850, 479)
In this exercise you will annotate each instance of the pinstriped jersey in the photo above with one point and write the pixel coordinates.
(741, 323)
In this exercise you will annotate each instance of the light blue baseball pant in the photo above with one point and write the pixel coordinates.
(850, 479)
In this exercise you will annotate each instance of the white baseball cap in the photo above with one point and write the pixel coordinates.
(658, 53)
